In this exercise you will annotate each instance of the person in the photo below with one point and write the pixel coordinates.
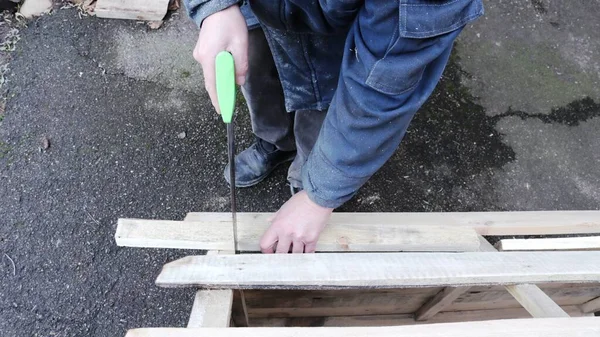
(331, 86)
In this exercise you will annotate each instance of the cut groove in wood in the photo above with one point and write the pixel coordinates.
(591, 306)
(579, 243)
(543, 327)
(215, 234)
(484, 223)
(371, 270)
(535, 301)
(151, 10)
(439, 302)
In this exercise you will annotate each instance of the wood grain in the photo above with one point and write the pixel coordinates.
(535, 301)
(591, 306)
(151, 10)
(352, 236)
(440, 301)
(211, 309)
(407, 319)
(174, 234)
(530, 296)
(485, 223)
(372, 270)
(543, 327)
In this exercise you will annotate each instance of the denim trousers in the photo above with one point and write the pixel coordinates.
(348, 76)
(287, 131)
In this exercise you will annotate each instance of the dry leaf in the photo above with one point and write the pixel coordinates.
(155, 24)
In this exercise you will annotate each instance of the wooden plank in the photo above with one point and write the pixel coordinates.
(543, 327)
(535, 301)
(579, 243)
(530, 296)
(405, 319)
(485, 223)
(485, 245)
(445, 297)
(298, 303)
(372, 270)
(480, 299)
(336, 302)
(439, 302)
(214, 234)
(591, 306)
(152, 10)
(211, 309)
(174, 234)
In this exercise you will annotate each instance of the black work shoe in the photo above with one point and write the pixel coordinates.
(255, 163)
(294, 190)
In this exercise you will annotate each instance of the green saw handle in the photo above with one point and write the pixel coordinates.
(225, 78)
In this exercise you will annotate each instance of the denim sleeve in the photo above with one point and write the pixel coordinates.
(389, 69)
(198, 10)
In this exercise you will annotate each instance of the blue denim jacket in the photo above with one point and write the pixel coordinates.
(372, 63)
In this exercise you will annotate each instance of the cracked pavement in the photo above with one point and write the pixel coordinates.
(512, 126)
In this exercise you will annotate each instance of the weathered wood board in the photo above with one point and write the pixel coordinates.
(485, 223)
(371, 270)
(352, 236)
(543, 327)
(151, 10)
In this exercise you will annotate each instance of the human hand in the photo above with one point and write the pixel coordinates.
(223, 31)
(297, 225)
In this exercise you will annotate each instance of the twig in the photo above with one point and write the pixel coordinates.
(96, 221)
(13, 264)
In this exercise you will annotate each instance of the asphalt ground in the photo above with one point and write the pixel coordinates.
(107, 119)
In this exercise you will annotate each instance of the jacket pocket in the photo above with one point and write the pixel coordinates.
(419, 40)
(428, 18)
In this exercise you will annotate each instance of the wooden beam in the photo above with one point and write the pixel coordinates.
(440, 301)
(578, 243)
(591, 306)
(408, 319)
(530, 296)
(152, 10)
(211, 309)
(535, 301)
(485, 223)
(485, 245)
(546, 327)
(372, 270)
(449, 294)
(174, 234)
(353, 236)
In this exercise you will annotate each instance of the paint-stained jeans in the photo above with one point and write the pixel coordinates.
(297, 130)
(371, 64)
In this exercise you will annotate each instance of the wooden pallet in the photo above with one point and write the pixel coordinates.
(429, 268)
